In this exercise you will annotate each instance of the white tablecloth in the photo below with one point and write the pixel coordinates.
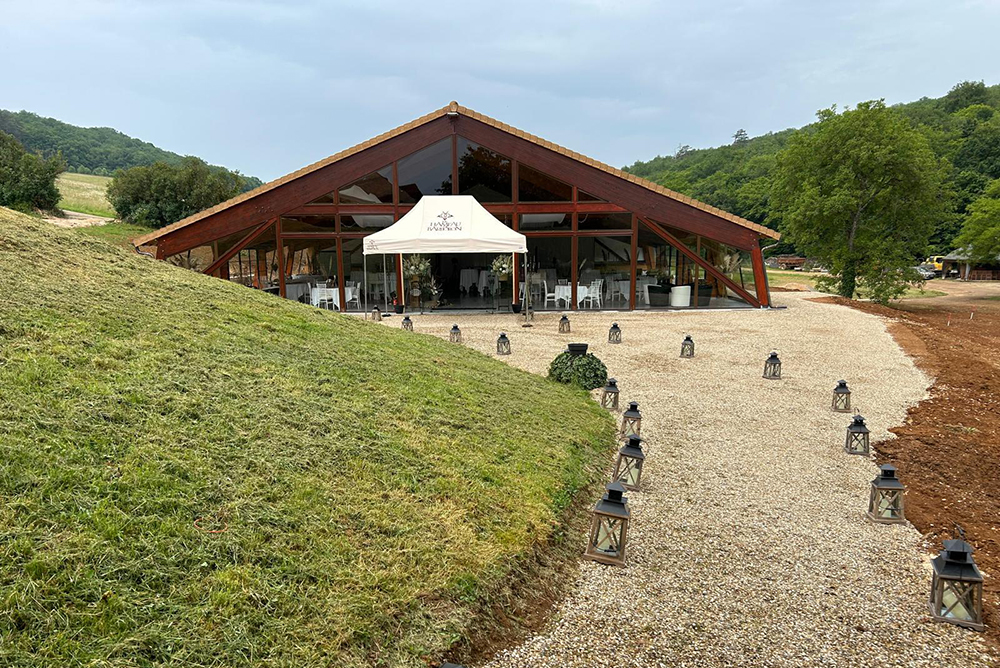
(565, 293)
(295, 290)
(330, 293)
(467, 277)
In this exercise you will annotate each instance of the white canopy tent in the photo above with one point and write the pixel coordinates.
(445, 224)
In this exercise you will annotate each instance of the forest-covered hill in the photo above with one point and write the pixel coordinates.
(98, 151)
(962, 127)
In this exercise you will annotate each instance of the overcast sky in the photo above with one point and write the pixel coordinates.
(269, 86)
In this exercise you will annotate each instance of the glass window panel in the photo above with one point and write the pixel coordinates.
(483, 173)
(311, 264)
(365, 222)
(308, 223)
(375, 188)
(660, 270)
(582, 196)
(426, 172)
(605, 269)
(545, 221)
(535, 186)
(604, 221)
(549, 272)
(323, 199)
(735, 265)
(380, 287)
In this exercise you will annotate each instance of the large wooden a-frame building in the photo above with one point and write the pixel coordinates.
(597, 237)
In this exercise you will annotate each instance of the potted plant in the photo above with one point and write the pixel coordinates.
(417, 271)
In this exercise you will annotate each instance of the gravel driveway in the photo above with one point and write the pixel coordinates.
(748, 544)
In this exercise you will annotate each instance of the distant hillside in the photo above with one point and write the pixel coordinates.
(962, 127)
(87, 150)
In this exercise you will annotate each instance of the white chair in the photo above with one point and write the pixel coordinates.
(594, 294)
(352, 295)
(549, 296)
(324, 298)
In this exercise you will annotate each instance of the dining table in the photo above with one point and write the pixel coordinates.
(565, 293)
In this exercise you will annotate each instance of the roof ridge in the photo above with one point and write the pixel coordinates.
(454, 107)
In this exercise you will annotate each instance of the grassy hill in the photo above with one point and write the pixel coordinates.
(84, 193)
(195, 473)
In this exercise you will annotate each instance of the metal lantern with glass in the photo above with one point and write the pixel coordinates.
(615, 333)
(564, 325)
(609, 395)
(858, 437)
(407, 324)
(503, 344)
(687, 346)
(628, 468)
(631, 421)
(842, 397)
(609, 527)
(376, 314)
(456, 334)
(957, 587)
(885, 503)
(772, 367)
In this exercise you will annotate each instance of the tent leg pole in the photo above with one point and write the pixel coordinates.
(364, 281)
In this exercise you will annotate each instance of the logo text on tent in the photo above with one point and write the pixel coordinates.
(444, 223)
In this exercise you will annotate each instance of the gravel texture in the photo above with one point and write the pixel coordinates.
(749, 544)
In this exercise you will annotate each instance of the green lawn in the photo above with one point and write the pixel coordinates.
(804, 280)
(84, 193)
(199, 474)
(116, 232)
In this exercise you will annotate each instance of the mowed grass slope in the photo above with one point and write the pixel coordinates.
(84, 193)
(194, 473)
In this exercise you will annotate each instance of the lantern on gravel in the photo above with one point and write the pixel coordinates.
(772, 367)
(857, 442)
(503, 344)
(609, 395)
(628, 468)
(564, 325)
(609, 527)
(456, 334)
(885, 503)
(407, 324)
(631, 421)
(687, 346)
(615, 333)
(842, 397)
(957, 587)
(376, 314)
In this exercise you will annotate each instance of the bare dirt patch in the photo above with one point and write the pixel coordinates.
(948, 449)
(74, 219)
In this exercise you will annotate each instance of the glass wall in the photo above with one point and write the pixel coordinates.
(426, 172)
(365, 222)
(534, 222)
(326, 224)
(482, 173)
(310, 264)
(604, 221)
(534, 186)
(380, 287)
(549, 272)
(374, 188)
(604, 268)
(735, 265)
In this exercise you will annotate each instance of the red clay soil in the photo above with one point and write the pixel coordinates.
(948, 451)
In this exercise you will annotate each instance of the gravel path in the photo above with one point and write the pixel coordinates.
(748, 544)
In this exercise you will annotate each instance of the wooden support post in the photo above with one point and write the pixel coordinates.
(279, 250)
(261, 273)
(246, 241)
(635, 251)
(760, 277)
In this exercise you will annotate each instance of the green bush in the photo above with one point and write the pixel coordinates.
(160, 194)
(27, 181)
(584, 370)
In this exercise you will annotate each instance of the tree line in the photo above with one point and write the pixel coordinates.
(868, 191)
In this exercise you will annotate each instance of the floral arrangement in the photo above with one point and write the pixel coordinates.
(502, 265)
(416, 266)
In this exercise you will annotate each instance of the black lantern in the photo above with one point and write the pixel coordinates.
(609, 395)
(615, 333)
(376, 314)
(456, 334)
(842, 397)
(687, 346)
(631, 421)
(407, 324)
(885, 504)
(628, 468)
(772, 367)
(503, 344)
(957, 587)
(609, 527)
(564, 325)
(857, 442)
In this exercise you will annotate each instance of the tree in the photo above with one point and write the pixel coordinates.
(862, 194)
(741, 137)
(160, 194)
(980, 236)
(965, 94)
(27, 181)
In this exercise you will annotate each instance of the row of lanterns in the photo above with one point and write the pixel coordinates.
(956, 583)
(611, 515)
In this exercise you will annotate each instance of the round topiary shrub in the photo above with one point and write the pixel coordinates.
(584, 370)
